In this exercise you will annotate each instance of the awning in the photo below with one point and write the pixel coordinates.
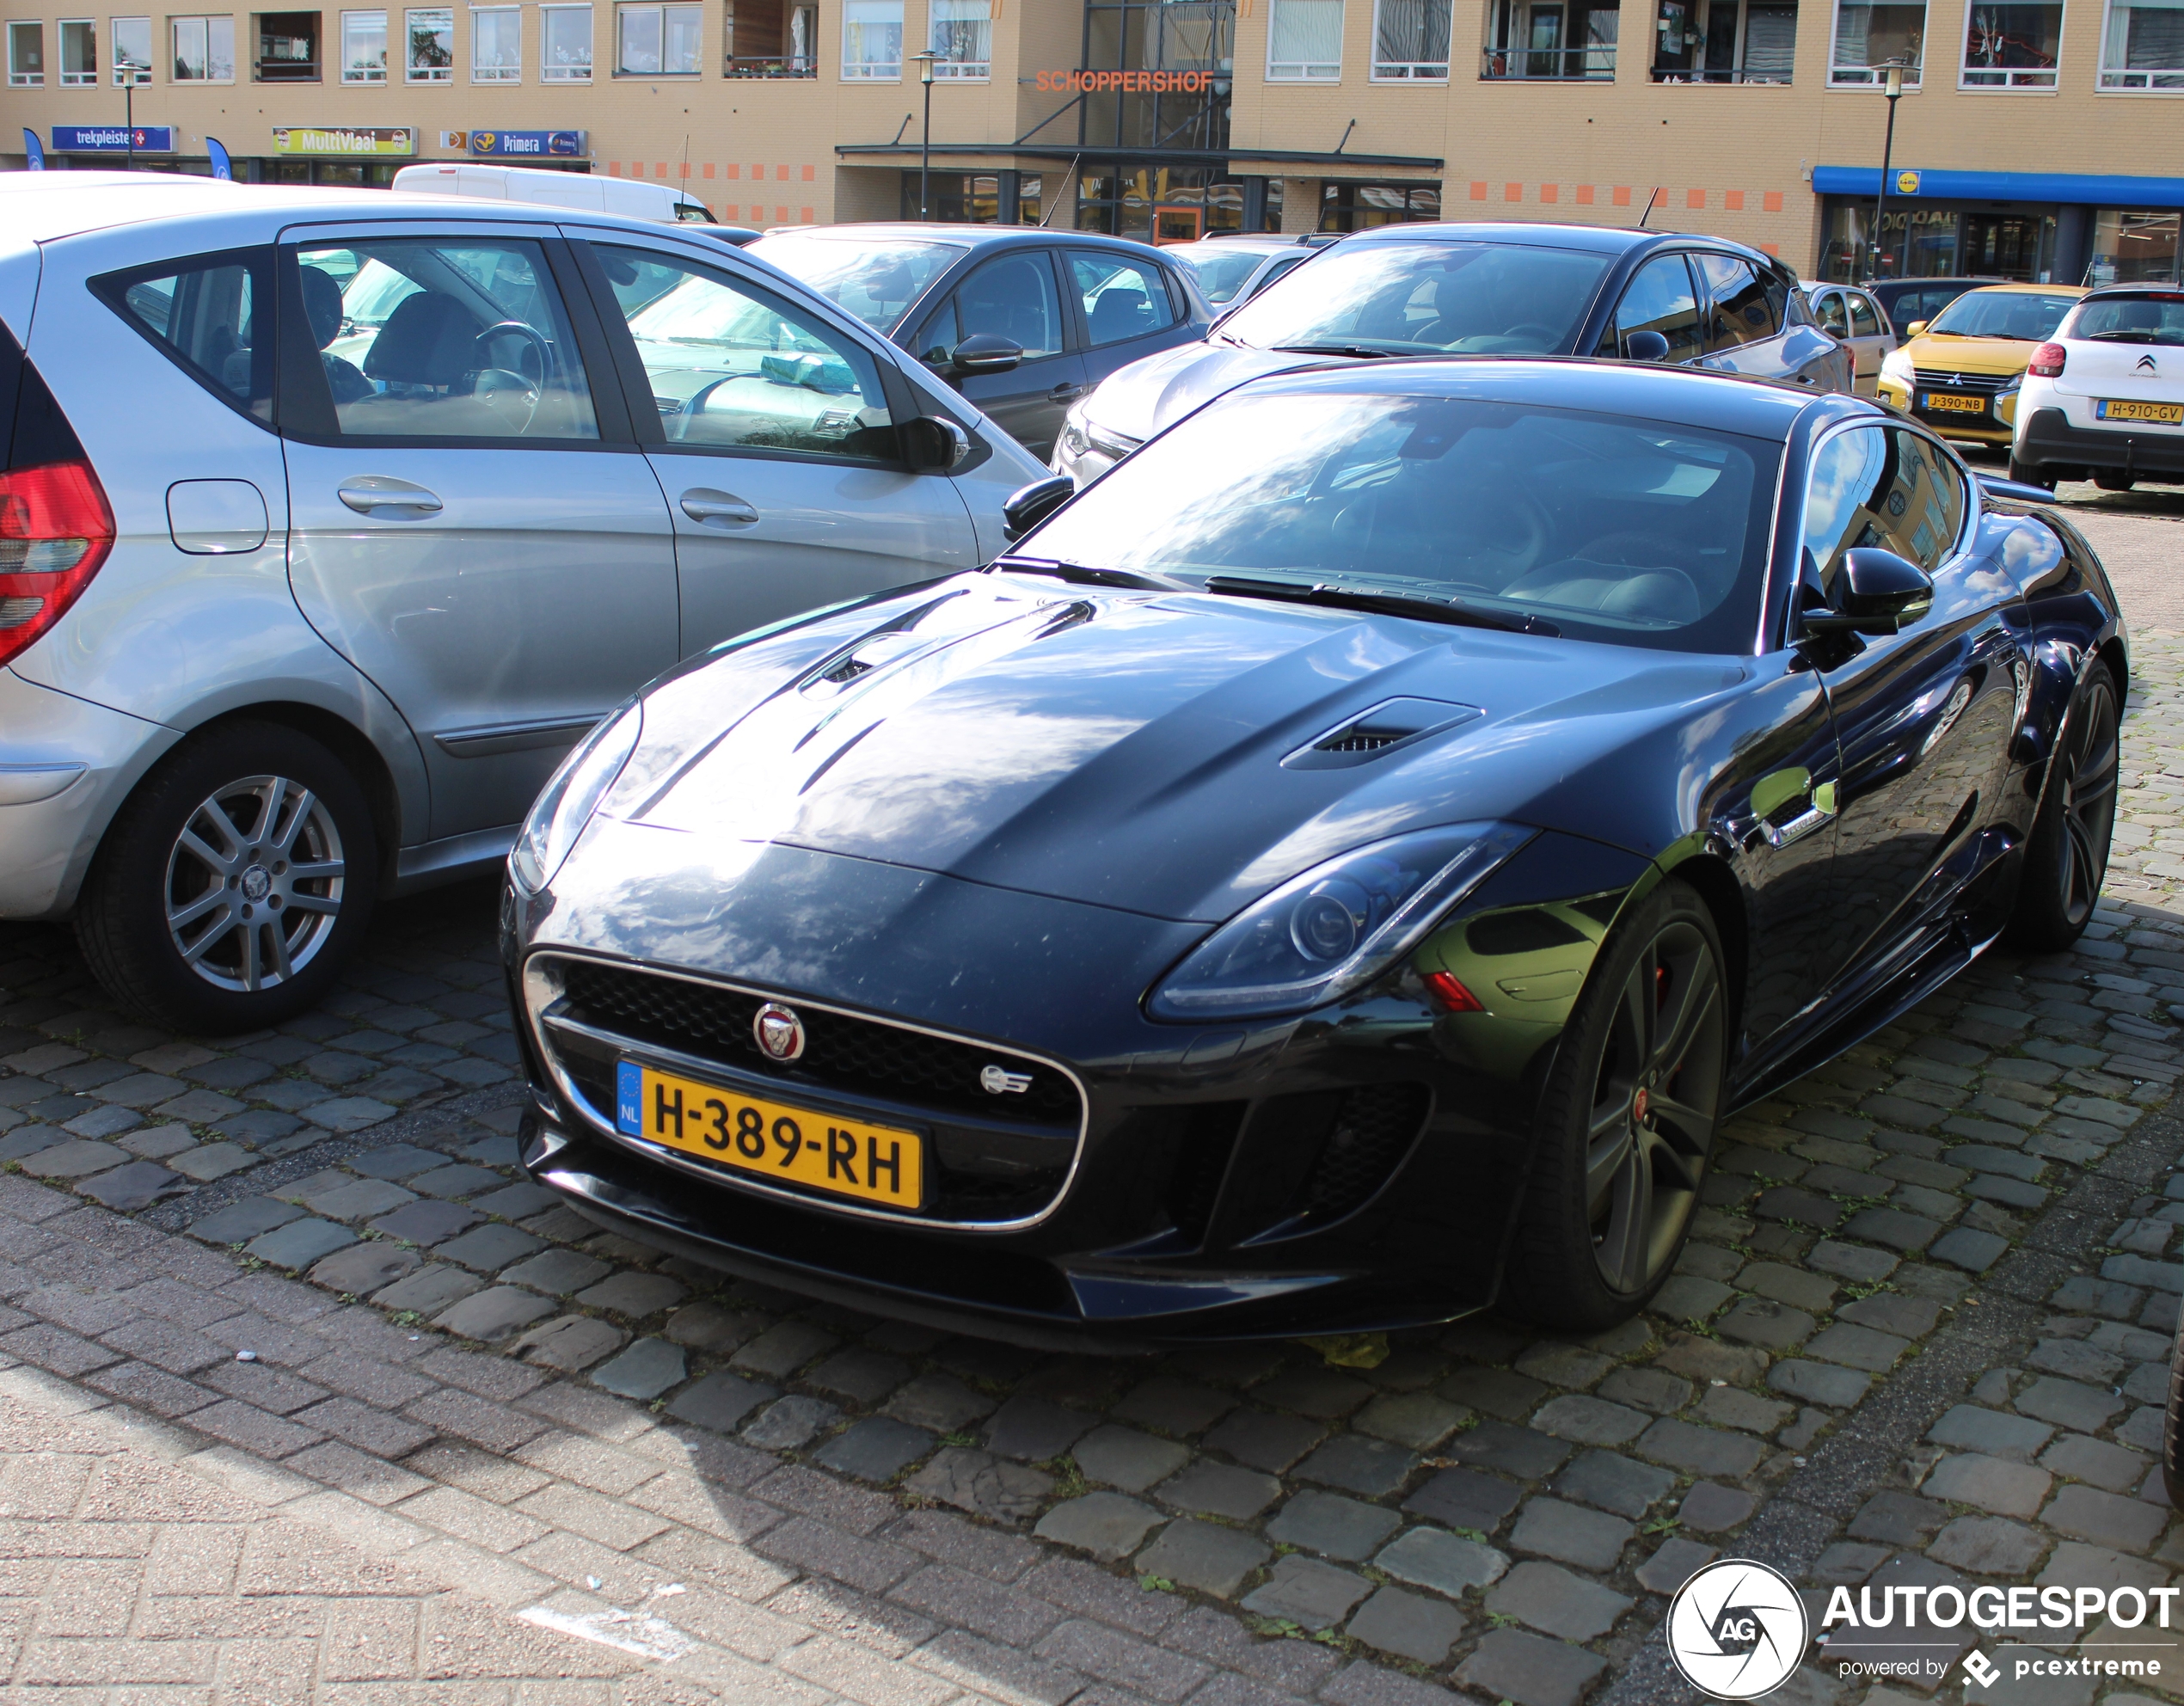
(1221, 160)
(2082, 189)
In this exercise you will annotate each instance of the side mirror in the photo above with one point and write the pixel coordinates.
(1915, 328)
(1876, 591)
(983, 353)
(1645, 346)
(1030, 505)
(933, 445)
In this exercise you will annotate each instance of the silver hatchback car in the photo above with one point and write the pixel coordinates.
(330, 520)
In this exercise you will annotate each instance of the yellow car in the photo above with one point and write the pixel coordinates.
(1960, 371)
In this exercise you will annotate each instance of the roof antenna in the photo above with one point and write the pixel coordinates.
(1346, 136)
(1651, 198)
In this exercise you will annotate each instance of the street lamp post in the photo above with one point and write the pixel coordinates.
(1893, 88)
(925, 147)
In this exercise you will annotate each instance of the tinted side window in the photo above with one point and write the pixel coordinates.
(210, 315)
(1865, 322)
(1658, 299)
(1739, 310)
(730, 366)
(1885, 487)
(1013, 297)
(1122, 299)
(444, 338)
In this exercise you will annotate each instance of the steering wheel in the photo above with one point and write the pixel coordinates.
(1632, 548)
(1516, 513)
(490, 382)
(1546, 335)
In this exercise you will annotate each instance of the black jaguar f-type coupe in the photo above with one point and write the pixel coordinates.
(1340, 869)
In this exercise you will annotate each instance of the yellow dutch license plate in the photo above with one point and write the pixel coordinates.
(771, 1139)
(2125, 409)
(1944, 403)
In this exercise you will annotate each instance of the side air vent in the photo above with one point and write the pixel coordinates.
(1373, 733)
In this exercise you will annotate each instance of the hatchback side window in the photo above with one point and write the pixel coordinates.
(1829, 307)
(444, 338)
(1658, 300)
(1013, 297)
(1865, 319)
(732, 367)
(1739, 310)
(204, 316)
(1122, 299)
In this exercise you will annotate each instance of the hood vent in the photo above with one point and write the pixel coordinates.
(1374, 734)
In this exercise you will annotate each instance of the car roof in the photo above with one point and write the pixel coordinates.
(1727, 402)
(1598, 239)
(2016, 289)
(1922, 282)
(2162, 287)
(962, 236)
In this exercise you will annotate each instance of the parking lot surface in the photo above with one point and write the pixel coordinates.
(287, 1298)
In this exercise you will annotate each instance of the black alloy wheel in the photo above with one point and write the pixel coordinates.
(2067, 858)
(1628, 1120)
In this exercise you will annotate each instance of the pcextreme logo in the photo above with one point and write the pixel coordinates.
(1737, 1629)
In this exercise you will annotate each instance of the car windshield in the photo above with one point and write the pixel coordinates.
(1634, 532)
(2003, 314)
(1221, 273)
(1425, 298)
(875, 280)
(2131, 320)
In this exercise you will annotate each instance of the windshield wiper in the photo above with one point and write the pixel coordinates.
(1084, 574)
(1416, 604)
(1363, 352)
(2125, 338)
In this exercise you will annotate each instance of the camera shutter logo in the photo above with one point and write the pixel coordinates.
(1737, 1629)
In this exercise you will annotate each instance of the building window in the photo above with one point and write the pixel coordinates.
(1304, 41)
(131, 51)
(496, 44)
(364, 48)
(565, 43)
(79, 52)
(1410, 41)
(1725, 40)
(872, 40)
(1869, 36)
(2011, 46)
(1537, 39)
(288, 46)
(770, 38)
(656, 40)
(2143, 46)
(2133, 248)
(963, 37)
(429, 56)
(204, 49)
(26, 56)
(1359, 207)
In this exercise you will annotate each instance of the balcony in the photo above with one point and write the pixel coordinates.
(770, 65)
(1549, 65)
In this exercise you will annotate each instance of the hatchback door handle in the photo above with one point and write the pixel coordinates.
(1066, 393)
(374, 492)
(725, 507)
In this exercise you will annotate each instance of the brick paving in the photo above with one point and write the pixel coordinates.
(1920, 1335)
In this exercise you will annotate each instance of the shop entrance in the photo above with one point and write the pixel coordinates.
(1178, 224)
(2007, 245)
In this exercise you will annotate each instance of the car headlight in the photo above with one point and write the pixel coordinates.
(1335, 928)
(560, 814)
(1896, 366)
(1080, 438)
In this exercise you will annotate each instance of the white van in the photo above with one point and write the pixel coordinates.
(662, 203)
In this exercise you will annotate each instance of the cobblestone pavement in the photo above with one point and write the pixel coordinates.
(1919, 1334)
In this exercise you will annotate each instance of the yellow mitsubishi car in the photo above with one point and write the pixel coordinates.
(1960, 372)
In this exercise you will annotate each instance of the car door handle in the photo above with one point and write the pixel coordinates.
(372, 492)
(1822, 808)
(723, 508)
(1066, 393)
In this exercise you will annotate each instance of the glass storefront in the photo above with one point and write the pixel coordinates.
(1162, 204)
(1359, 207)
(2130, 248)
(1181, 37)
(1921, 240)
(977, 198)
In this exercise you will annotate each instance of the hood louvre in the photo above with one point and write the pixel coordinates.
(1373, 733)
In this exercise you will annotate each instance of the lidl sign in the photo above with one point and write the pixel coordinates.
(1907, 183)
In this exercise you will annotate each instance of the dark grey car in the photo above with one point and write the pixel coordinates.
(1023, 322)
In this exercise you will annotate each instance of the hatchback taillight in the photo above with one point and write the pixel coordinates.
(2047, 361)
(55, 531)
